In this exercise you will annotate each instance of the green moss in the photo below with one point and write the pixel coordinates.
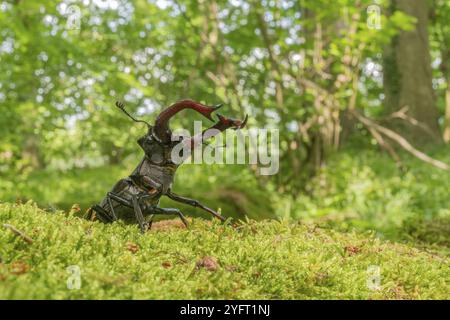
(433, 234)
(260, 260)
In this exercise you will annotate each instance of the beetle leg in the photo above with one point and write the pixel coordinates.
(102, 214)
(150, 218)
(120, 200)
(150, 221)
(89, 214)
(183, 219)
(193, 203)
(108, 199)
(158, 210)
(138, 213)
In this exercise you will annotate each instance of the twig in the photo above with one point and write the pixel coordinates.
(402, 114)
(400, 140)
(385, 145)
(18, 233)
(375, 126)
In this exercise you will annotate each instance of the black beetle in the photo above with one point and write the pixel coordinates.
(136, 198)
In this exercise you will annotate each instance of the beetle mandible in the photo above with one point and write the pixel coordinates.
(136, 198)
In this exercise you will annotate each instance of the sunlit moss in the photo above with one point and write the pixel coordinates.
(260, 260)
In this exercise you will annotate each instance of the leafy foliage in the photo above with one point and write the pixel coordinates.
(58, 97)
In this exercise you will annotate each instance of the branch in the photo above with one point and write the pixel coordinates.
(372, 125)
(19, 233)
(385, 145)
(402, 114)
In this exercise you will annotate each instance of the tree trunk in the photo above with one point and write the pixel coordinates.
(408, 77)
(447, 111)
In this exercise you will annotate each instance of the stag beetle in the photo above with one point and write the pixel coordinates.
(137, 196)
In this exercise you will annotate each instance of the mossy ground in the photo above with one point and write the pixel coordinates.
(259, 260)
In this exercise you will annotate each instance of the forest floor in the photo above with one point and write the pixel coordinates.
(62, 256)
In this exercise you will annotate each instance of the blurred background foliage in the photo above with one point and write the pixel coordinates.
(346, 88)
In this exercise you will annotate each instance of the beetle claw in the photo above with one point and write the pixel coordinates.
(238, 124)
(232, 123)
(242, 125)
(218, 106)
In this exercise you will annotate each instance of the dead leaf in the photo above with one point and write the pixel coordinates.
(209, 263)
(352, 250)
(132, 247)
(19, 267)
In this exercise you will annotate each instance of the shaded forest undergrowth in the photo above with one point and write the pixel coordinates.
(358, 190)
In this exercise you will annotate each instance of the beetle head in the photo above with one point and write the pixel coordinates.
(161, 129)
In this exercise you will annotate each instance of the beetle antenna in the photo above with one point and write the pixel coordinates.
(121, 106)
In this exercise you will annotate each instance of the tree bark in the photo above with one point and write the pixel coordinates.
(447, 111)
(408, 77)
